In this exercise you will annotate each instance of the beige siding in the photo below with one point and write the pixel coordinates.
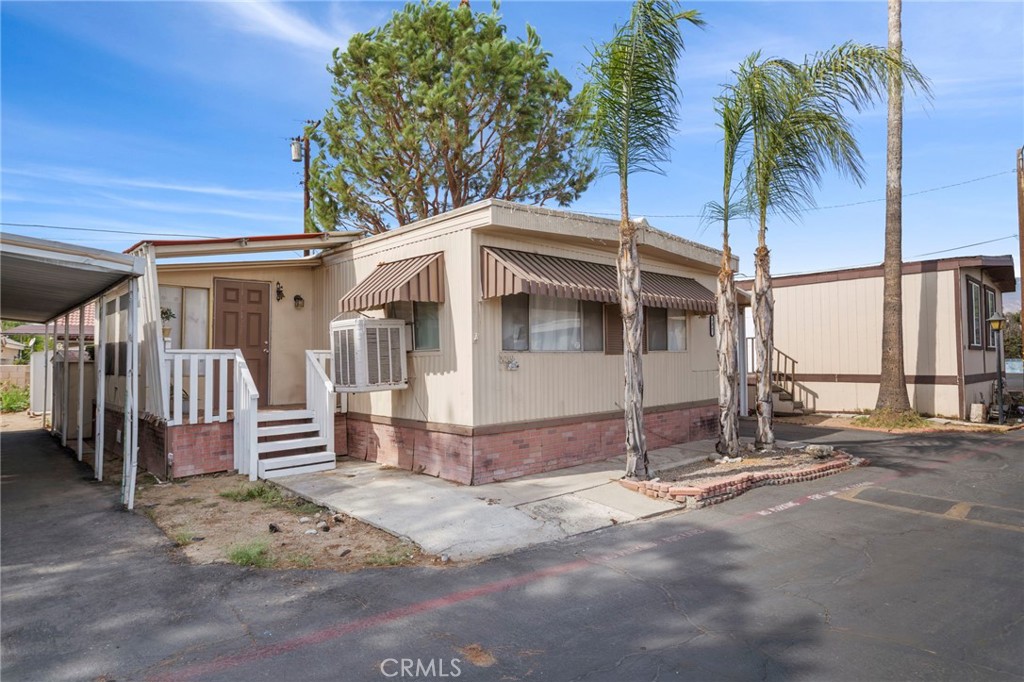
(440, 383)
(548, 385)
(976, 361)
(291, 330)
(836, 327)
(853, 397)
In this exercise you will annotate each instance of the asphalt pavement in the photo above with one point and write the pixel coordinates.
(906, 569)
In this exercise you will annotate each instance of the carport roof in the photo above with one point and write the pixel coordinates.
(40, 279)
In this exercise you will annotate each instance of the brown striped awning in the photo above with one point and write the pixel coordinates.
(412, 279)
(507, 272)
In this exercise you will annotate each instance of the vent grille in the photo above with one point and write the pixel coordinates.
(368, 355)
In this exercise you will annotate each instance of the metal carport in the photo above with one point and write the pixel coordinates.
(42, 281)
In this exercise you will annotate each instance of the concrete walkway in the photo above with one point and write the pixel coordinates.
(474, 522)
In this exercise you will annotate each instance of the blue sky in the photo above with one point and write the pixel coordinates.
(160, 118)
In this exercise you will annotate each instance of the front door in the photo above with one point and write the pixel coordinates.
(241, 319)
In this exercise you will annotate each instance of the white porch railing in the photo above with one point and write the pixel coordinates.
(197, 380)
(192, 378)
(247, 456)
(321, 399)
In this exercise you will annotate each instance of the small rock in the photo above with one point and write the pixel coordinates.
(339, 518)
(345, 552)
(322, 526)
(305, 519)
(445, 558)
(311, 531)
(197, 538)
(819, 450)
(274, 528)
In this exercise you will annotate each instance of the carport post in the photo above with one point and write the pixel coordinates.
(81, 380)
(46, 374)
(65, 389)
(131, 426)
(100, 343)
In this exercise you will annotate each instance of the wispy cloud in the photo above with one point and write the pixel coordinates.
(90, 178)
(277, 22)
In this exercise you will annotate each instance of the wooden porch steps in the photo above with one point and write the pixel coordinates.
(289, 443)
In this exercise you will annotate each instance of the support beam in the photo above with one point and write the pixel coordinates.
(131, 422)
(47, 386)
(101, 384)
(80, 416)
(65, 389)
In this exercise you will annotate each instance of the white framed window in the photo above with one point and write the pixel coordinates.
(422, 319)
(666, 330)
(974, 320)
(190, 326)
(551, 324)
(992, 337)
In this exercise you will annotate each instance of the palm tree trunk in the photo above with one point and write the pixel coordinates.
(764, 343)
(628, 264)
(728, 374)
(892, 387)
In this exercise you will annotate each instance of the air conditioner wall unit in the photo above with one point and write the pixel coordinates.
(368, 355)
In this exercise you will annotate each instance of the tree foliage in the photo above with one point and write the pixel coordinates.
(437, 109)
(1012, 336)
(630, 105)
(799, 128)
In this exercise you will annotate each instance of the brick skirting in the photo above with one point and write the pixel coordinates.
(517, 450)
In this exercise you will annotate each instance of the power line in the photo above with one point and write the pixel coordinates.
(855, 203)
(95, 229)
(966, 246)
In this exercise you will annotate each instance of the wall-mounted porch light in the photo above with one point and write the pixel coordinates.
(280, 291)
(300, 303)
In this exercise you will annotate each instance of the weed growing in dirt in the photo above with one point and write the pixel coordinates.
(271, 496)
(264, 492)
(13, 398)
(250, 554)
(890, 419)
(395, 555)
(183, 538)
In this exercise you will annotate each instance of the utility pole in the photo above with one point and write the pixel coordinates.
(300, 152)
(1020, 214)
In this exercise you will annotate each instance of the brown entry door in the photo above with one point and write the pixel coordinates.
(241, 319)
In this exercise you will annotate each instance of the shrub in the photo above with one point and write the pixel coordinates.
(13, 398)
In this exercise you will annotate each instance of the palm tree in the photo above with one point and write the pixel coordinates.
(892, 385)
(631, 101)
(735, 123)
(799, 128)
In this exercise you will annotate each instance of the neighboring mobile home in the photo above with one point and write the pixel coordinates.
(514, 361)
(828, 334)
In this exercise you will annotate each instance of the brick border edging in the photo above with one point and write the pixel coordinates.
(697, 497)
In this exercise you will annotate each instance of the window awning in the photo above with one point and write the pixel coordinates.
(413, 279)
(507, 272)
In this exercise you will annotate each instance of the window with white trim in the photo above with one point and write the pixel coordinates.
(974, 320)
(666, 330)
(422, 319)
(551, 324)
(991, 338)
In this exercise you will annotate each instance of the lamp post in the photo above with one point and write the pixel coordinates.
(300, 152)
(996, 323)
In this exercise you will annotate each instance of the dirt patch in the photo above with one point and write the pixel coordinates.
(478, 656)
(850, 422)
(774, 461)
(19, 421)
(225, 518)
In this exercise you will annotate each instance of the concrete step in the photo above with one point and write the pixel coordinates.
(296, 464)
(291, 444)
(264, 416)
(285, 430)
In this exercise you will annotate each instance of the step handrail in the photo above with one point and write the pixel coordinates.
(246, 409)
(321, 399)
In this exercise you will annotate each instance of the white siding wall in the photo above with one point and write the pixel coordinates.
(440, 382)
(549, 385)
